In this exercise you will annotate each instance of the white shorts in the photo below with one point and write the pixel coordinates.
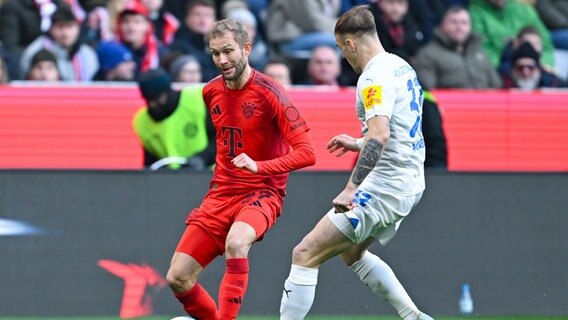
(378, 215)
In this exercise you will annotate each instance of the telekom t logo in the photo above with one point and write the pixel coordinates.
(136, 301)
(232, 139)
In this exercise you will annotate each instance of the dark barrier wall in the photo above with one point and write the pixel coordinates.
(97, 232)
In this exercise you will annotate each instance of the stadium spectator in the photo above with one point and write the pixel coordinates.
(498, 21)
(279, 70)
(44, 67)
(455, 58)
(324, 67)
(116, 62)
(185, 69)
(527, 73)
(554, 14)
(259, 54)
(296, 27)
(76, 61)
(528, 34)
(135, 32)
(164, 23)
(23, 21)
(173, 124)
(261, 138)
(398, 31)
(191, 37)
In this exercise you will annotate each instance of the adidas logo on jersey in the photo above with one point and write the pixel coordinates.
(216, 110)
(256, 204)
(237, 300)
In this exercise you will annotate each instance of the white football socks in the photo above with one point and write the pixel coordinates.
(380, 278)
(299, 293)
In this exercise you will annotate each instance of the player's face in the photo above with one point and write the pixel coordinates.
(347, 51)
(228, 56)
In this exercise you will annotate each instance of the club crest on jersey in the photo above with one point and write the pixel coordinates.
(248, 110)
(372, 95)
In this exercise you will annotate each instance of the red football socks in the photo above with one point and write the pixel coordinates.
(233, 288)
(198, 303)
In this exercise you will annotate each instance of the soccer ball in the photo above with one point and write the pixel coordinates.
(182, 318)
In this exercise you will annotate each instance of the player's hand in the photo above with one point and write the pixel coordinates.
(344, 201)
(342, 142)
(245, 162)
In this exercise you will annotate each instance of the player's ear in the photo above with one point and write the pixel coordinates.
(351, 45)
(247, 47)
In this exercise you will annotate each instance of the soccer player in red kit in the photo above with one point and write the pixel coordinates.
(256, 124)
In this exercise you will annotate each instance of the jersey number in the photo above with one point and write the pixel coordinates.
(414, 86)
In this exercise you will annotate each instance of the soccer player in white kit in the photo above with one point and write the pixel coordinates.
(386, 183)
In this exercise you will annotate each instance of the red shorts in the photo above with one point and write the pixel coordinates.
(208, 226)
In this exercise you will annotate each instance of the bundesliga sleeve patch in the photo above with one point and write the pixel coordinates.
(372, 95)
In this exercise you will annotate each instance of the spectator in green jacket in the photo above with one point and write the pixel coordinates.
(498, 21)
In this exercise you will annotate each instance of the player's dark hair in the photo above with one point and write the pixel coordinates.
(239, 31)
(357, 21)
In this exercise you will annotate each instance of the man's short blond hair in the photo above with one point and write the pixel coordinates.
(239, 31)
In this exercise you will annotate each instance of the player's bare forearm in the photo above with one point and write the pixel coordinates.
(370, 155)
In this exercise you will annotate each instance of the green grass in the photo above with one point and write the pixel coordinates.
(308, 318)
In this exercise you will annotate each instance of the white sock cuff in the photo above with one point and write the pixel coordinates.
(365, 261)
(303, 276)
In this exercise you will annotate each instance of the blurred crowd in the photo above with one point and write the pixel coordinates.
(451, 44)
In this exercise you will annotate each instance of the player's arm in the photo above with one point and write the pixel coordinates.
(344, 143)
(302, 155)
(374, 143)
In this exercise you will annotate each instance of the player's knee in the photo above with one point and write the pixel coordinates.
(178, 281)
(301, 253)
(236, 247)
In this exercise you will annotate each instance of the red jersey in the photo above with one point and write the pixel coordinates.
(258, 120)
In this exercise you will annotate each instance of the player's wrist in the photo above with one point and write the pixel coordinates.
(351, 186)
(360, 143)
